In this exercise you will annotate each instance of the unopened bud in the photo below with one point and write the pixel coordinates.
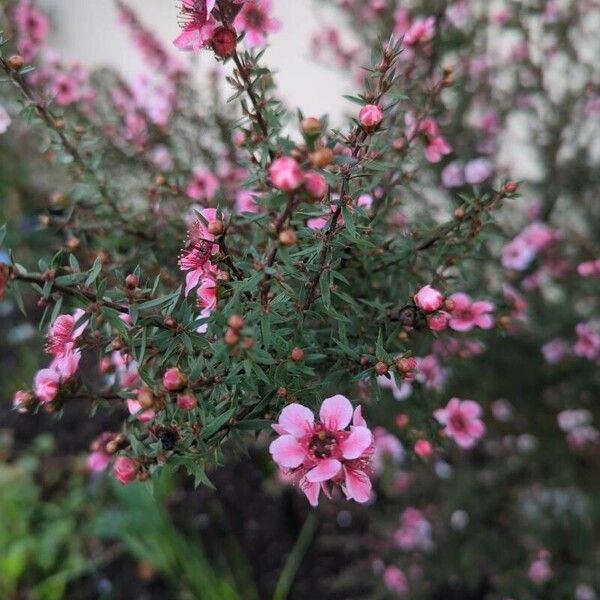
(215, 227)
(235, 322)
(381, 368)
(231, 337)
(16, 62)
(297, 354)
(321, 158)
(131, 281)
(311, 126)
(287, 237)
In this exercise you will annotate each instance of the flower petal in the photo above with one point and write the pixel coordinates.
(356, 443)
(296, 419)
(311, 490)
(336, 412)
(358, 485)
(326, 469)
(287, 452)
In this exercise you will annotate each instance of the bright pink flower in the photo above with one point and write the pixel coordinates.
(395, 580)
(45, 385)
(207, 293)
(203, 185)
(174, 380)
(198, 25)
(438, 321)
(255, 21)
(98, 461)
(135, 408)
(186, 402)
(461, 421)
(539, 235)
(467, 314)
(311, 453)
(125, 469)
(365, 201)
(370, 116)
(587, 269)
(315, 184)
(286, 174)
(420, 32)
(423, 448)
(588, 341)
(62, 334)
(245, 202)
(428, 299)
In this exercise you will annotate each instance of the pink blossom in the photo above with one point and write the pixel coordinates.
(312, 453)
(125, 469)
(438, 321)
(588, 341)
(207, 293)
(430, 372)
(245, 202)
(466, 314)
(517, 254)
(423, 448)
(539, 235)
(315, 184)
(98, 461)
(453, 174)
(554, 351)
(285, 174)
(198, 25)
(539, 571)
(478, 170)
(370, 115)
(45, 385)
(395, 580)
(461, 421)
(135, 408)
(588, 269)
(414, 532)
(5, 120)
(203, 185)
(420, 32)
(435, 144)
(365, 201)
(428, 299)
(400, 392)
(174, 380)
(255, 21)
(21, 400)
(62, 334)
(387, 448)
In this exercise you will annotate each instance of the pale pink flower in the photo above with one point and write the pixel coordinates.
(539, 235)
(414, 532)
(395, 580)
(518, 254)
(478, 170)
(286, 174)
(428, 299)
(435, 144)
(539, 571)
(461, 421)
(554, 351)
(400, 392)
(256, 22)
(588, 268)
(467, 314)
(420, 32)
(99, 459)
(370, 115)
(588, 341)
(365, 201)
(46, 384)
(22, 399)
(387, 449)
(313, 452)
(5, 120)
(430, 372)
(203, 185)
(125, 469)
(453, 174)
(245, 202)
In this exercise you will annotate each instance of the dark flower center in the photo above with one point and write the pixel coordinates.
(322, 444)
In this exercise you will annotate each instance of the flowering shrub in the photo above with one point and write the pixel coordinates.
(216, 274)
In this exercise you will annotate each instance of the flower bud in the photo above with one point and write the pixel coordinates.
(406, 365)
(16, 62)
(437, 321)
(145, 398)
(311, 126)
(510, 187)
(224, 41)
(315, 184)
(235, 322)
(321, 158)
(297, 354)
(131, 281)
(428, 299)
(231, 337)
(402, 420)
(287, 237)
(423, 448)
(460, 213)
(125, 470)
(22, 400)
(286, 174)
(370, 116)
(381, 368)
(186, 402)
(174, 380)
(215, 227)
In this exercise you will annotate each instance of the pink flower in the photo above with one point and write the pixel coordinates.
(207, 293)
(517, 254)
(315, 184)
(203, 185)
(370, 116)
(45, 385)
(414, 532)
(539, 571)
(478, 170)
(435, 144)
(98, 461)
(174, 380)
(588, 341)
(420, 32)
(62, 334)
(245, 202)
(428, 299)
(186, 402)
(430, 372)
(311, 453)
(255, 21)
(5, 120)
(285, 174)
(453, 174)
(466, 314)
(135, 408)
(554, 351)
(125, 469)
(461, 421)
(395, 580)
(438, 321)
(423, 448)
(198, 26)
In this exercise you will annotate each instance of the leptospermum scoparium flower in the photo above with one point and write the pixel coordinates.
(314, 453)
(461, 421)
